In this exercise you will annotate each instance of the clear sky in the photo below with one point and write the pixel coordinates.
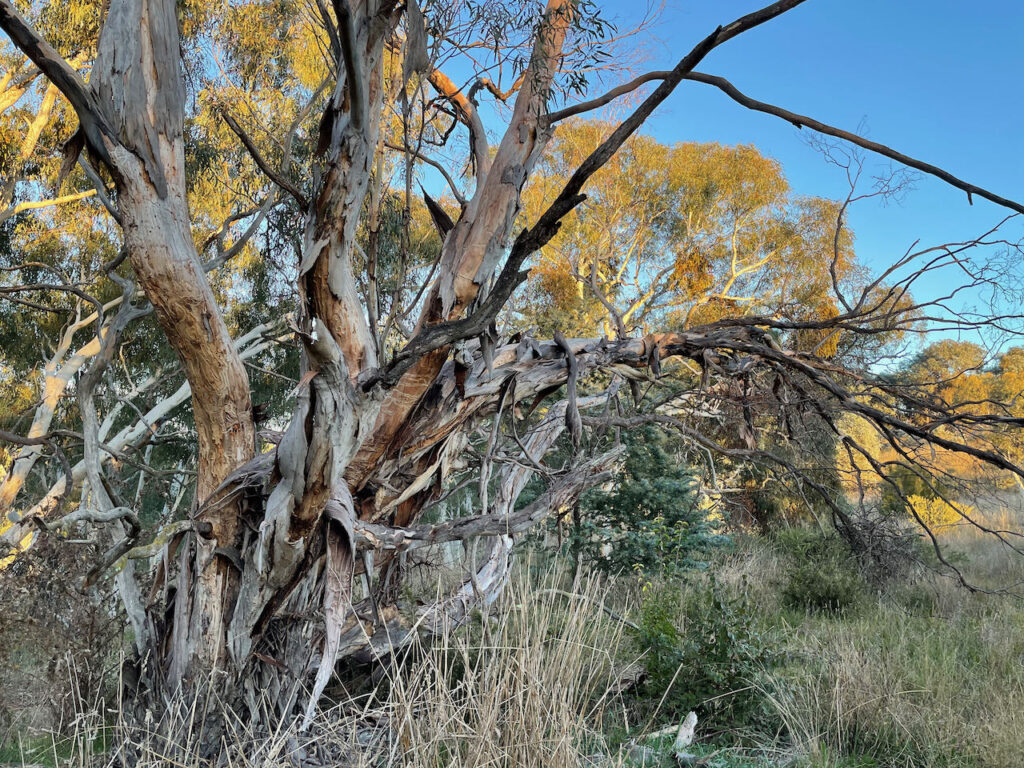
(940, 80)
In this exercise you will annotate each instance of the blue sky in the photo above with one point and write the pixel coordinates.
(940, 80)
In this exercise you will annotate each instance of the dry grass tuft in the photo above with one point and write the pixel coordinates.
(529, 688)
(526, 686)
(926, 676)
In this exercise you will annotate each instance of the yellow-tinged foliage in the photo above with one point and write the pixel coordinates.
(855, 470)
(937, 513)
(22, 546)
(679, 235)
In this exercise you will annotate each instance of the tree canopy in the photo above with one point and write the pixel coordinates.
(671, 237)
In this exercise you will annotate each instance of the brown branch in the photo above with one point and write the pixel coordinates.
(263, 165)
(568, 198)
(802, 120)
(600, 101)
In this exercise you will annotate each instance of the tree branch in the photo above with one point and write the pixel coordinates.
(802, 120)
(62, 75)
(600, 101)
(50, 63)
(353, 64)
(262, 164)
(529, 241)
(33, 205)
(467, 112)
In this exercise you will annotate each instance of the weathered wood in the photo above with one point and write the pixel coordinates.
(472, 249)
(557, 497)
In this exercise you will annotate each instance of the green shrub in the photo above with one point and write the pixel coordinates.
(701, 654)
(822, 574)
(651, 520)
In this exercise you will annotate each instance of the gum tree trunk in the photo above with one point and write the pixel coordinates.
(254, 596)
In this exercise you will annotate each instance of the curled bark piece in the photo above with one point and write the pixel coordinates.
(341, 515)
(71, 150)
(417, 57)
(572, 410)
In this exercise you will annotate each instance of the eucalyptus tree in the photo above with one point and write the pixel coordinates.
(405, 387)
(674, 236)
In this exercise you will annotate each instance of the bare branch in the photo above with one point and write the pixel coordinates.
(802, 120)
(34, 205)
(610, 96)
(262, 164)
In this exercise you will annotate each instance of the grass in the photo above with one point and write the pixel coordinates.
(923, 674)
(919, 674)
(78, 747)
(528, 685)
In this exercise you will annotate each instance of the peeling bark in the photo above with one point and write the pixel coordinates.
(472, 249)
(257, 585)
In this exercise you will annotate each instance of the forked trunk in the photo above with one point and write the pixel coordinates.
(253, 600)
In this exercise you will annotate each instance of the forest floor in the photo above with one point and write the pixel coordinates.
(788, 656)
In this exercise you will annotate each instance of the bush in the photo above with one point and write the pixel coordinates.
(909, 483)
(651, 520)
(822, 574)
(701, 655)
(58, 646)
